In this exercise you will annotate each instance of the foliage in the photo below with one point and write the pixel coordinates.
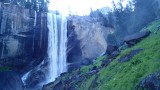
(122, 15)
(107, 20)
(143, 14)
(136, 15)
(38, 5)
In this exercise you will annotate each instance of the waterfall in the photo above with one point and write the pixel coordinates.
(57, 25)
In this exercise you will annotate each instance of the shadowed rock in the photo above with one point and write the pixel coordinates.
(111, 49)
(115, 54)
(151, 82)
(134, 38)
(10, 80)
(129, 56)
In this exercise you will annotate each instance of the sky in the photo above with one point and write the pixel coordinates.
(79, 7)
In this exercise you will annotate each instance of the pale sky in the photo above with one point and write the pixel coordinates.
(79, 7)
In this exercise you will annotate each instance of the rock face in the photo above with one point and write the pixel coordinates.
(35, 78)
(151, 82)
(23, 37)
(134, 38)
(87, 35)
(57, 86)
(10, 81)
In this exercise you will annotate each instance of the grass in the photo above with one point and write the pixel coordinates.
(89, 82)
(126, 75)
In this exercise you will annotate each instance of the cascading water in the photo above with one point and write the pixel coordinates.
(57, 39)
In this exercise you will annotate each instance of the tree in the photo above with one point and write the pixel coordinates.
(122, 15)
(38, 5)
(132, 18)
(143, 14)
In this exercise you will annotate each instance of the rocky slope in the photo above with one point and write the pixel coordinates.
(135, 67)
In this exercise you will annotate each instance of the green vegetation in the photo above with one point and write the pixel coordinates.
(5, 68)
(153, 26)
(125, 76)
(120, 76)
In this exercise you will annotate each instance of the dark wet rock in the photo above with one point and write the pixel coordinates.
(87, 62)
(63, 74)
(58, 84)
(10, 80)
(129, 56)
(121, 42)
(151, 82)
(115, 54)
(123, 47)
(74, 53)
(92, 72)
(134, 38)
(73, 66)
(111, 49)
(66, 83)
(94, 68)
(35, 78)
(106, 62)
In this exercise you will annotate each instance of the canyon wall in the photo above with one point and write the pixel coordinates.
(23, 37)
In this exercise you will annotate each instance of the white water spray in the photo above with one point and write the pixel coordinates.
(57, 25)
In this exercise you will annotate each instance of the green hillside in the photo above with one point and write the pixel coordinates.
(119, 76)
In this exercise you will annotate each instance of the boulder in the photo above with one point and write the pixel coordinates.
(129, 56)
(86, 62)
(73, 66)
(134, 38)
(86, 38)
(111, 49)
(151, 82)
(94, 68)
(10, 80)
(106, 62)
(115, 54)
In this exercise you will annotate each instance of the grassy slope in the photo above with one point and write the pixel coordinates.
(120, 76)
(125, 76)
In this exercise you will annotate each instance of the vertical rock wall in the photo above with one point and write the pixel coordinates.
(23, 37)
